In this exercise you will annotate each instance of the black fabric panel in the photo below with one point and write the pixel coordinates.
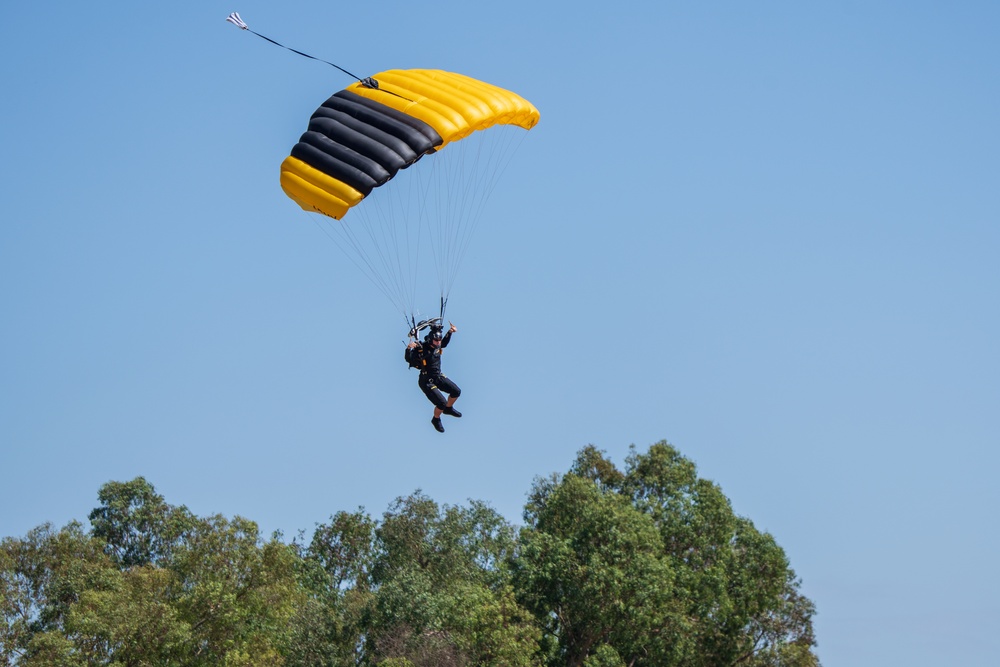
(376, 172)
(395, 144)
(411, 121)
(363, 143)
(419, 142)
(331, 166)
(419, 135)
(360, 143)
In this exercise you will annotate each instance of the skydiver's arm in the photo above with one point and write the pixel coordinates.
(447, 337)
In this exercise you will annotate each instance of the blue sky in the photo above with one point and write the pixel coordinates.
(767, 233)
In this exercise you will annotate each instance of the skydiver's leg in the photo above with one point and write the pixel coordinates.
(428, 385)
(453, 393)
(434, 395)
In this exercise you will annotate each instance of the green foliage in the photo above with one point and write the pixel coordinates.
(593, 571)
(719, 592)
(236, 592)
(130, 621)
(137, 526)
(604, 656)
(43, 576)
(137, 592)
(643, 566)
(735, 580)
(442, 588)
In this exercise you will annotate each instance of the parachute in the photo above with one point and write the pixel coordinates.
(360, 139)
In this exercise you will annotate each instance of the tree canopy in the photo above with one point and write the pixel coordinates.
(647, 565)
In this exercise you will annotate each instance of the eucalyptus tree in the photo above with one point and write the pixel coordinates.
(652, 565)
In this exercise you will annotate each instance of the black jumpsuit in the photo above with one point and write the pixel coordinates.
(431, 381)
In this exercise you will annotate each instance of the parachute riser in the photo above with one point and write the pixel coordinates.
(432, 323)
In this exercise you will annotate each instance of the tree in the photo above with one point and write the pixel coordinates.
(592, 569)
(704, 587)
(736, 580)
(424, 585)
(237, 593)
(138, 591)
(638, 567)
(136, 524)
(42, 577)
(334, 571)
(129, 621)
(440, 591)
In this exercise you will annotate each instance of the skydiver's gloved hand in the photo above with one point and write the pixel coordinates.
(452, 328)
(412, 344)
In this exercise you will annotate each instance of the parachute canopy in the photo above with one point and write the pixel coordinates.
(363, 135)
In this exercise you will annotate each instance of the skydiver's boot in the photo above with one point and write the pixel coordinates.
(451, 411)
(438, 425)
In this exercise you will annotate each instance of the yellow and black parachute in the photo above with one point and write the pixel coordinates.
(360, 139)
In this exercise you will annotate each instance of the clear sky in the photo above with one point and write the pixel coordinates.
(768, 233)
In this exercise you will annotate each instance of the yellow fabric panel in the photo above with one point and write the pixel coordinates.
(448, 122)
(511, 108)
(315, 191)
(453, 104)
(507, 107)
(319, 179)
(452, 94)
(311, 198)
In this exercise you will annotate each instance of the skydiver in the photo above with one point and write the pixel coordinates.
(426, 357)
